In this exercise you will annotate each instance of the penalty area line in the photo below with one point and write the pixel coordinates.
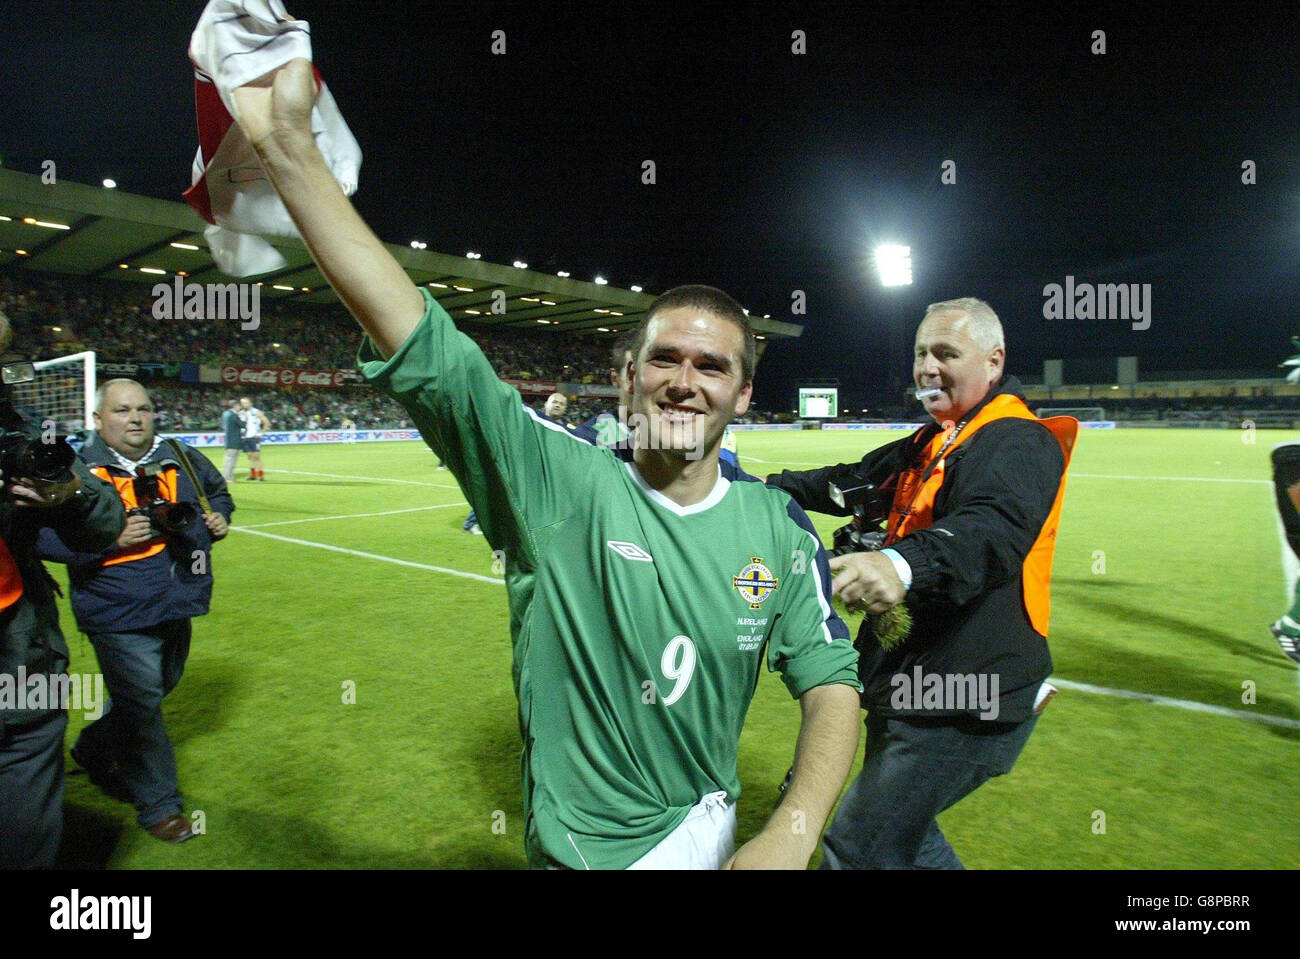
(1171, 479)
(1187, 704)
(368, 479)
(1098, 476)
(374, 556)
(322, 519)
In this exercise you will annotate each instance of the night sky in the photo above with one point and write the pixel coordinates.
(775, 171)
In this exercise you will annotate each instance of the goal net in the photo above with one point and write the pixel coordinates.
(64, 391)
(1081, 413)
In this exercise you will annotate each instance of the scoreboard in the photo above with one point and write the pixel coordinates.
(818, 402)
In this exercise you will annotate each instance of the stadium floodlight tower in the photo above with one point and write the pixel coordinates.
(894, 264)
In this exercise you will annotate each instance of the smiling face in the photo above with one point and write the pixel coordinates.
(948, 357)
(688, 382)
(125, 419)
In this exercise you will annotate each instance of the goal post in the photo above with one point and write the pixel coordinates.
(63, 390)
(1081, 413)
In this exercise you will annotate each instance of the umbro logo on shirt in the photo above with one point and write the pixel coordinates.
(630, 551)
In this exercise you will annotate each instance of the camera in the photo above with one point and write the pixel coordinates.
(164, 515)
(863, 533)
(22, 456)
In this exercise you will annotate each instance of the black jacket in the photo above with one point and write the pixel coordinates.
(30, 637)
(968, 615)
(171, 584)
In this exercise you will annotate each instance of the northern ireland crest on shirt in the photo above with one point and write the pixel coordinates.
(755, 582)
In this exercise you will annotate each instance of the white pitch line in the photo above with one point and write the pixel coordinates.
(1180, 479)
(374, 556)
(755, 459)
(322, 519)
(1104, 476)
(1188, 704)
(369, 479)
(1063, 683)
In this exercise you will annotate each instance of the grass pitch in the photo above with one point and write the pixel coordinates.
(348, 571)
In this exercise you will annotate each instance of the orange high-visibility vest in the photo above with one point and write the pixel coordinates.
(11, 580)
(126, 491)
(913, 505)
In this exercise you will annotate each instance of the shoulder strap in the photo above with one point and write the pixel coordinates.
(179, 449)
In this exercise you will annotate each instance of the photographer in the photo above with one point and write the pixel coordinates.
(136, 599)
(958, 597)
(85, 513)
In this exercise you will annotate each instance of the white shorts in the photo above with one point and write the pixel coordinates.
(705, 839)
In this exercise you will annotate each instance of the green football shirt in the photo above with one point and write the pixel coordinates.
(639, 626)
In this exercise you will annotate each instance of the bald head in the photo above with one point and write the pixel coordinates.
(556, 405)
(124, 417)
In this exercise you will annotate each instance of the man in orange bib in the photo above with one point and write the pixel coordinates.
(136, 599)
(971, 503)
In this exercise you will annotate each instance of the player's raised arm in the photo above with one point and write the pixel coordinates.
(275, 115)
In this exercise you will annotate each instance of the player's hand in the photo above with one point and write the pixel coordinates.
(136, 532)
(772, 849)
(277, 102)
(28, 492)
(216, 524)
(867, 582)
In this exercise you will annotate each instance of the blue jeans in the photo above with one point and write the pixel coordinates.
(914, 769)
(140, 668)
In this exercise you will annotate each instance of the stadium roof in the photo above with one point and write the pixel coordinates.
(88, 231)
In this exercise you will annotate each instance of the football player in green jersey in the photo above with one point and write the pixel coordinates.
(646, 592)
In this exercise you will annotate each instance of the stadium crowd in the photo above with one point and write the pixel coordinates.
(52, 315)
(59, 315)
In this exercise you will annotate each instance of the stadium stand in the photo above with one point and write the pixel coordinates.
(54, 315)
(115, 319)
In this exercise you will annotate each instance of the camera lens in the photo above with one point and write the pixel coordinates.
(174, 517)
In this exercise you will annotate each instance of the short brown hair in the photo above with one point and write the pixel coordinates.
(712, 301)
